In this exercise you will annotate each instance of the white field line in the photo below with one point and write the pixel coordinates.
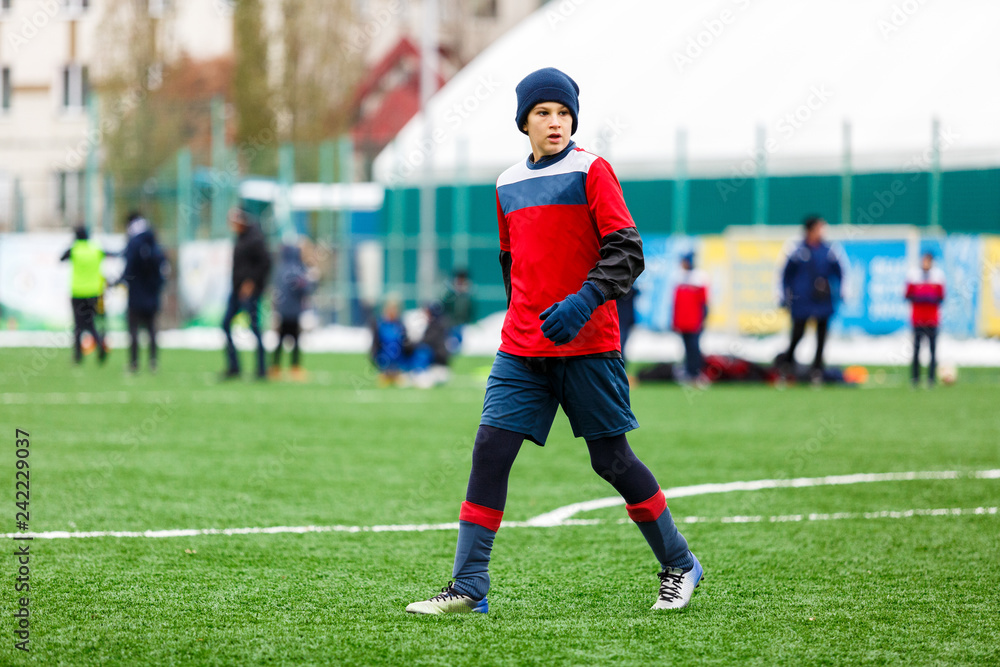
(423, 527)
(884, 514)
(548, 519)
(208, 396)
(558, 516)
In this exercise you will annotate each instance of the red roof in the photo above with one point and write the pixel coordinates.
(388, 96)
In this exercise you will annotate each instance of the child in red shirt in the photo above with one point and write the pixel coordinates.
(690, 311)
(925, 290)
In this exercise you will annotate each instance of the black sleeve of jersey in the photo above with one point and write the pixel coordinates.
(505, 262)
(620, 264)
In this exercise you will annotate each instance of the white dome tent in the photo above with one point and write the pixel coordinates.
(723, 71)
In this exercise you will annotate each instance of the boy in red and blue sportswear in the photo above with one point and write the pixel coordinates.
(568, 249)
(925, 290)
(690, 311)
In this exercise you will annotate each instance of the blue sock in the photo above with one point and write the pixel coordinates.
(472, 559)
(669, 546)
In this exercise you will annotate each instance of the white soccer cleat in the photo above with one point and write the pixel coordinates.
(677, 586)
(449, 601)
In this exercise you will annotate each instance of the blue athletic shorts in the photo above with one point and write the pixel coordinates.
(522, 396)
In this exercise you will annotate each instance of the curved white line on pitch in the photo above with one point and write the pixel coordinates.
(566, 513)
(419, 528)
(558, 516)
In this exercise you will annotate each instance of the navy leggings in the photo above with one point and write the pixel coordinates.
(611, 458)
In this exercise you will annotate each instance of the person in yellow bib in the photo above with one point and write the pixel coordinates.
(86, 287)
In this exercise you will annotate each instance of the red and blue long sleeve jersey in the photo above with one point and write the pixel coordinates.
(552, 217)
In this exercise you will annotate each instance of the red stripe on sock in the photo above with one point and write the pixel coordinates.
(486, 517)
(649, 509)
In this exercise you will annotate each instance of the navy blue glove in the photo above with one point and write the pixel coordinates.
(564, 319)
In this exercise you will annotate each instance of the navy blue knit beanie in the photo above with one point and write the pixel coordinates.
(546, 85)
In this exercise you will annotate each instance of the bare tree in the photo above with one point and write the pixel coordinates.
(318, 74)
(252, 96)
(137, 134)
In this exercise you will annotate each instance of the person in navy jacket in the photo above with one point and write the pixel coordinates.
(811, 283)
(145, 268)
(291, 291)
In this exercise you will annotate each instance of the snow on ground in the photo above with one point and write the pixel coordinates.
(483, 338)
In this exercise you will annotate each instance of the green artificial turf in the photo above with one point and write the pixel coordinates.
(181, 450)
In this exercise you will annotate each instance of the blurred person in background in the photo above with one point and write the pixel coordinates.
(145, 274)
(690, 311)
(441, 341)
(291, 290)
(458, 305)
(251, 268)
(86, 289)
(457, 302)
(812, 275)
(626, 316)
(395, 356)
(925, 290)
(438, 334)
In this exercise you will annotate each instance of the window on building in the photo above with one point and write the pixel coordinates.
(486, 9)
(5, 88)
(157, 8)
(70, 196)
(75, 6)
(154, 76)
(75, 86)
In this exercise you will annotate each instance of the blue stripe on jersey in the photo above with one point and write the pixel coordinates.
(555, 190)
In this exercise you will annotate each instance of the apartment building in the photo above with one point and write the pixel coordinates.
(50, 55)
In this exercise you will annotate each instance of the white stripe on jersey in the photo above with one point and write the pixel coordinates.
(576, 160)
(694, 278)
(916, 276)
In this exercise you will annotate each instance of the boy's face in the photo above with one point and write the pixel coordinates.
(548, 126)
(927, 261)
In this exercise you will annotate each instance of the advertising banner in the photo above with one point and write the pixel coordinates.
(654, 304)
(990, 323)
(713, 259)
(756, 265)
(963, 275)
(873, 291)
(34, 283)
(204, 280)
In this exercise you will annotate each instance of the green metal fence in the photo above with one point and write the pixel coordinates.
(189, 197)
(466, 225)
